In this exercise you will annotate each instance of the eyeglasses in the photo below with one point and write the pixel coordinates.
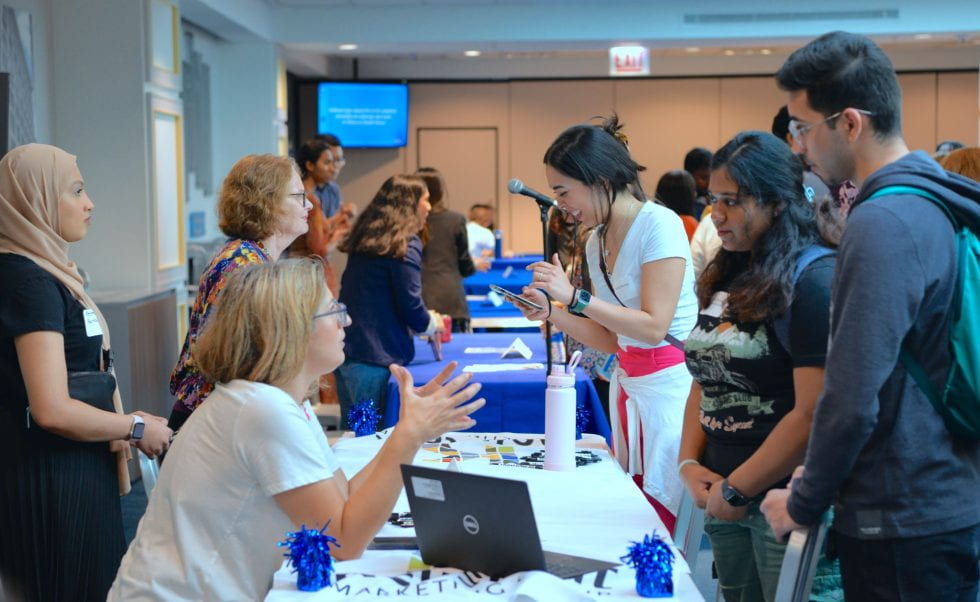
(336, 308)
(299, 196)
(340, 161)
(798, 131)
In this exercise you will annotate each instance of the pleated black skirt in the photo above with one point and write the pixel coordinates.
(61, 534)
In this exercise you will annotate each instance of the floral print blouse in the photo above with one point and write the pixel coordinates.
(186, 382)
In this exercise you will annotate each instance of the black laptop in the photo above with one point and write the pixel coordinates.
(483, 524)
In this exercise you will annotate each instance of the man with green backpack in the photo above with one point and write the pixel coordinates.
(895, 443)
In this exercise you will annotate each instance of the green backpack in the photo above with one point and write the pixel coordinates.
(959, 401)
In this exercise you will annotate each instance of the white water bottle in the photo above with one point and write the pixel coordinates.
(559, 420)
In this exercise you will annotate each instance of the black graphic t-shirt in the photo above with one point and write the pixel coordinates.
(746, 375)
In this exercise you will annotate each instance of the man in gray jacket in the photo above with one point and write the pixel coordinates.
(906, 492)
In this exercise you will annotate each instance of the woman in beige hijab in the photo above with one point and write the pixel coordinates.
(60, 517)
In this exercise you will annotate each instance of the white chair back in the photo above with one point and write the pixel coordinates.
(800, 562)
(689, 529)
(149, 471)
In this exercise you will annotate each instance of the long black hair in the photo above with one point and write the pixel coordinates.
(597, 155)
(764, 168)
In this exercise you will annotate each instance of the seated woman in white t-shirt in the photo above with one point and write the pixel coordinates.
(644, 304)
(252, 462)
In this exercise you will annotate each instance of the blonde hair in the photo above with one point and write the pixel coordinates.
(261, 329)
(250, 204)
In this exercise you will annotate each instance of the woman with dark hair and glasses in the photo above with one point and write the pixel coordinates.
(644, 305)
(382, 286)
(757, 356)
(262, 208)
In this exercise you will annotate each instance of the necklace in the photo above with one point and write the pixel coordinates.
(622, 229)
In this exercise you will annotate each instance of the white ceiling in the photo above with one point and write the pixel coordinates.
(508, 29)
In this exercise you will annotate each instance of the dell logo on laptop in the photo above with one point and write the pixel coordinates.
(471, 525)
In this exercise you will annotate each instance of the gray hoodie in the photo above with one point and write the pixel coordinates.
(878, 448)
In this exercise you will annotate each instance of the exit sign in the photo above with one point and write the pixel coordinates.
(629, 60)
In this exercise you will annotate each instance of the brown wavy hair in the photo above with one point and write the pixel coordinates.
(250, 204)
(964, 161)
(385, 226)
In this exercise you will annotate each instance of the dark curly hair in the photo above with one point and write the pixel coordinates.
(385, 226)
(766, 170)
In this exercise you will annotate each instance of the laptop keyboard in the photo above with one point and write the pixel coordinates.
(565, 566)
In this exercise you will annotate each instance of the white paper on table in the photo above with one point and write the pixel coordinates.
(517, 349)
(477, 368)
(495, 298)
(485, 350)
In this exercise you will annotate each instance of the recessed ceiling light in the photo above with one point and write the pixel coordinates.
(729, 52)
(692, 49)
(922, 36)
(765, 51)
(472, 53)
(347, 47)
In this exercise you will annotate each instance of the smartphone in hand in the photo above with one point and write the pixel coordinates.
(514, 297)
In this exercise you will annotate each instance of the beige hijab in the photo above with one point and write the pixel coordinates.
(32, 179)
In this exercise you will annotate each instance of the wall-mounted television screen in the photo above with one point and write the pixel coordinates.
(364, 115)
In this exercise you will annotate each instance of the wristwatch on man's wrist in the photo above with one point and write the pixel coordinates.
(733, 496)
(136, 431)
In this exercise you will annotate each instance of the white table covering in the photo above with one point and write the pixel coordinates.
(594, 511)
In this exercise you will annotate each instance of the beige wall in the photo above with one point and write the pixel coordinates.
(664, 118)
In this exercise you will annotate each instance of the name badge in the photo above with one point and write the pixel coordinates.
(92, 326)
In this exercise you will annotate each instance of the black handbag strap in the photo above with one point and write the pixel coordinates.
(671, 339)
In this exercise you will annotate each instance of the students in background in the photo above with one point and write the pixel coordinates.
(253, 463)
(446, 257)
(479, 233)
(697, 162)
(382, 287)
(676, 191)
(262, 209)
(639, 261)
(756, 355)
(329, 191)
(315, 163)
(62, 460)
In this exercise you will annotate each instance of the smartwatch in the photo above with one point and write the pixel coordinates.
(581, 301)
(733, 496)
(136, 432)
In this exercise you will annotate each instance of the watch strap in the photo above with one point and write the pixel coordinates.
(733, 496)
(136, 431)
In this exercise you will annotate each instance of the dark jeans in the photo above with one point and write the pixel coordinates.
(940, 568)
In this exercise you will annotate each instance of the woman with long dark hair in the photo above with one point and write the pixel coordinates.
(644, 305)
(382, 286)
(757, 355)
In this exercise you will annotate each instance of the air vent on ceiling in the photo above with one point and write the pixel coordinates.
(829, 15)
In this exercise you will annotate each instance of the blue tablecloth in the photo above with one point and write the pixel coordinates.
(518, 262)
(479, 283)
(486, 309)
(515, 400)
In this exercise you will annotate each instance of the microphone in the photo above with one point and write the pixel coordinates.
(515, 186)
